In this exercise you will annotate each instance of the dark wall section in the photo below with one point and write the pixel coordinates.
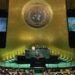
(3, 14)
(4, 4)
(70, 4)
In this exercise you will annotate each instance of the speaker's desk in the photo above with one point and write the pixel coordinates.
(43, 52)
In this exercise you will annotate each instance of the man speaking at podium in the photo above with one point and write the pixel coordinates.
(37, 56)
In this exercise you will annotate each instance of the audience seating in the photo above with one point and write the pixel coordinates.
(65, 71)
(56, 71)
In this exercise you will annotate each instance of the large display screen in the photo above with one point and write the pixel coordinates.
(71, 23)
(3, 24)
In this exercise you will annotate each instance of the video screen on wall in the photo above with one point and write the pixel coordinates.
(71, 23)
(3, 24)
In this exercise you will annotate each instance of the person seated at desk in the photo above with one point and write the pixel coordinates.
(44, 47)
(37, 47)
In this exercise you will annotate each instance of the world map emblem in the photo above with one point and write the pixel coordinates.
(36, 15)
